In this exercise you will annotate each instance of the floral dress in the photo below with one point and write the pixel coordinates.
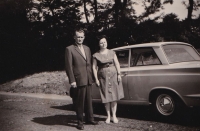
(110, 89)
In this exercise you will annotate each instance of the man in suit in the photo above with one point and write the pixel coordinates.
(79, 72)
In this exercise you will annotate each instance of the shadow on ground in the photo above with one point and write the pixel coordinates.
(68, 107)
(190, 117)
(66, 120)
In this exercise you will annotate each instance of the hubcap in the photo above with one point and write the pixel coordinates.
(165, 104)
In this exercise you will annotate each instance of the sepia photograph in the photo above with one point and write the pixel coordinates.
(100, 65)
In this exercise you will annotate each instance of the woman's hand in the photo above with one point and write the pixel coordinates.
(119, 78)
(97, 82)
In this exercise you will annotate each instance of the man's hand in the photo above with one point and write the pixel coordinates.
(73, 84)
(97, 82)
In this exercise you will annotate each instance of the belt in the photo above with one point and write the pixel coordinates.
(106, 65)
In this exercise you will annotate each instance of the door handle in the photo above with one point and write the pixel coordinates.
(124, 74)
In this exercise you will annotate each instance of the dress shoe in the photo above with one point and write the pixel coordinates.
(92, 122)
(80, 127)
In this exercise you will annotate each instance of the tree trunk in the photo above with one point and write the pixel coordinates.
(123, 8)
(95, 11)
(124, 4)
(85, 10)
(190, 9)
(117, 7)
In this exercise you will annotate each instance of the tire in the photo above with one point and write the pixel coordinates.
(166, 104)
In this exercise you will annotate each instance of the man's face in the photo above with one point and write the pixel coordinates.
(79, 37)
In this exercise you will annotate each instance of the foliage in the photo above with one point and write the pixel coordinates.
(34, 33)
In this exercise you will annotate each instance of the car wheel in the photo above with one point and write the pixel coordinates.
(165, 104)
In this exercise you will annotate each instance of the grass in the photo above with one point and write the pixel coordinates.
(45, 82)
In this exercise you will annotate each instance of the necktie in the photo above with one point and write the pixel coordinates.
(82, 51)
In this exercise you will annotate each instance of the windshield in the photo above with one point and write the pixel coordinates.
(180, 53)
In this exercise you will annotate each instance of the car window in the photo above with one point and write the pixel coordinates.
(143, 57)
(180, 53)
(123, 58)
(133, 58)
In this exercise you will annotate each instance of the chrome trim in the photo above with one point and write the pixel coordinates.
(193, 96)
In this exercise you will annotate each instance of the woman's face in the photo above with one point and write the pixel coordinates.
(103, 43)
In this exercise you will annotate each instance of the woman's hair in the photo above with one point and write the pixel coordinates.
(101, 37)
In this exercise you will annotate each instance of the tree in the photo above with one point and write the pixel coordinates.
(153, 6)
(85, 10)
(117, 9)
(95, 10)
(191, 5)
(54, 18)
(169, 18)
(190, 9)
(170, 28)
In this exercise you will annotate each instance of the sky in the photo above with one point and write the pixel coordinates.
(177, 8)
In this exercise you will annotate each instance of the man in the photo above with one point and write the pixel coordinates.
(79, 72)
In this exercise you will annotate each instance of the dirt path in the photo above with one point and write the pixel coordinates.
(40, 112)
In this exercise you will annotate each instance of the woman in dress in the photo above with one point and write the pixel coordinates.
(106, 71)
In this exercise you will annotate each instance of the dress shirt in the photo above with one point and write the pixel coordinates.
(82, 50)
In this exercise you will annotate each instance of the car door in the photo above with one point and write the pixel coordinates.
(143, 61)
(123, 58)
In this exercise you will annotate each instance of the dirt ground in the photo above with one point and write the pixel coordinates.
(41, 112)
(38, 103)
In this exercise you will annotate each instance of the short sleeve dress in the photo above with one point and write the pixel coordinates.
(110, 89)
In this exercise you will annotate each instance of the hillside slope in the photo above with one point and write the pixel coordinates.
(44, 82)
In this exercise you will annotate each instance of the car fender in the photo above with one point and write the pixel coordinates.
(161, 88)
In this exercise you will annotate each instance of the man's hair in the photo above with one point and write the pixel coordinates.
(80, 30)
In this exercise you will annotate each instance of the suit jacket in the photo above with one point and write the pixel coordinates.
(78, 68)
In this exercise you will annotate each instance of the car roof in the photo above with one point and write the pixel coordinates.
(153, 44)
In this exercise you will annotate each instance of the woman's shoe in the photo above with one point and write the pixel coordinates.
(115, 120)
(107, 121)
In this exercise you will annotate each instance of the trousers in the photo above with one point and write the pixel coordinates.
(82, 101)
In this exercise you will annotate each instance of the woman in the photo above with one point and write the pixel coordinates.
(106, 71)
